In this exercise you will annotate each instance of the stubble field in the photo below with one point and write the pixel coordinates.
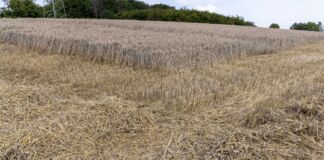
(248, 106)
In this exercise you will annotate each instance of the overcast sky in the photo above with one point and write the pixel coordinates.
(262, 12)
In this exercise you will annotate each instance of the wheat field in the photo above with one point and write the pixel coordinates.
(149, 44)
(56, 103)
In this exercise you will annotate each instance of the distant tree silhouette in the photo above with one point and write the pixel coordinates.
(321, 26)
(309, 26)
(274, 25)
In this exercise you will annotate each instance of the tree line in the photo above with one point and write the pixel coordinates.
(130, 9)
(309, 26)
(183, 15)
(117, 9)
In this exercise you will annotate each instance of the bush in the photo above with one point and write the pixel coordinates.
(26, 8)
(183, 15)
(274, 25)
(309, 26)
(120, 9)
(78, 9)
(6, 13)
(161, 6)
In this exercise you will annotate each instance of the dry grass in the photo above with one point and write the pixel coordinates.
(149, 44)
(259, 107)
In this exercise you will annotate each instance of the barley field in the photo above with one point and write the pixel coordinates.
(87, 89)
(149, 44)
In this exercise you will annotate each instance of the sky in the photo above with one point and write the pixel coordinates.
(261, 12)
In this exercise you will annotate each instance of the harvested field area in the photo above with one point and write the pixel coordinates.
(65, 107)
(149, 45)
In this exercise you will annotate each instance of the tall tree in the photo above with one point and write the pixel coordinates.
(23, 8)
(309, 26)
(321, 26)
(78, 8)
(97, 7)
(274, 25)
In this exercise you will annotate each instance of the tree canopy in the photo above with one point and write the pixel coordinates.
(22, 8)
(162, 6)
(78, 9)
(274, 25)
(309, 26)
(183, 15)
(120, 9)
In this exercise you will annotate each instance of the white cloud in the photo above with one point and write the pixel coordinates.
(211, 8)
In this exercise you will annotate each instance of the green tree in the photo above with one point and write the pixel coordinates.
(22, 8)
(79, 8)
(309, 26)
(2, 10)
(274, 25)
(136, 5)
(112, 7)
(249, 23)
(97, 6)
(321, 26)
(73, 9)
(121, 9)
(183, 15)
(161, 6)
(106, 13)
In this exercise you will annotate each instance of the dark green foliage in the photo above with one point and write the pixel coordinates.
(5, 13)
(73, 8)
(106, 13)
(78, 8)
(162, 6)
(117, 6)
(22, 8)
(309, 26)
(138, 5)
(274, 25)
(249, 23)
(120, 9)
(183, 15)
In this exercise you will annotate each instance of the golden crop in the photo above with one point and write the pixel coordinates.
(149, 44)
(56, 106)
